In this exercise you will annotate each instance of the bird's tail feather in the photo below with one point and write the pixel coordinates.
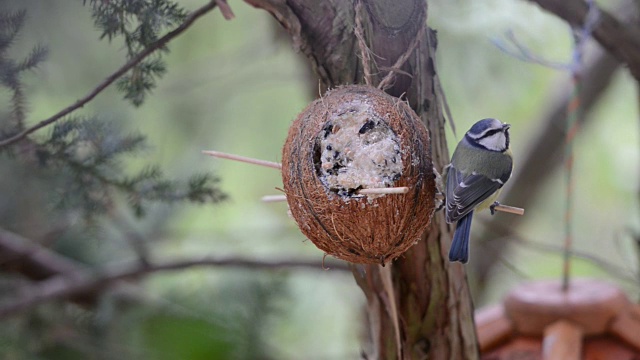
(460, 245)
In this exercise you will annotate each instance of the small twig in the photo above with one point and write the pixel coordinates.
(445, 103)
(69, 284)
(31, 259)
(386, 82)
(620, 38)
(274, 198)
(522, 53)
(225, 9)
(365, 52)
(160, 43)
(509, 209)
(500, 207)
(222, 155)
(584, 32)
(609, 267)
(391, 305)
(133, 238)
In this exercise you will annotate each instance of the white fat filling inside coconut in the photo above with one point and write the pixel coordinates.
(358, 151)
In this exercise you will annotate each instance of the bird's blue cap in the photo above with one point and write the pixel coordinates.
(485, 124)
(482, 125)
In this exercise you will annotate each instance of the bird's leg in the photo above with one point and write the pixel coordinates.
(440, 186)
(441, 178)
(492, 207)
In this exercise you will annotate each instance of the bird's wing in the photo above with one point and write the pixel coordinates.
(465, 192)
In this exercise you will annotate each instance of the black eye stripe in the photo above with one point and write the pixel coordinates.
(490, 133)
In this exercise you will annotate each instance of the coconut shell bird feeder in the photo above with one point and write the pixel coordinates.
(357, 174)
(353, 139)
(590, 319)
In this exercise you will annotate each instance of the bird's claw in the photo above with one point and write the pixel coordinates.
(441, 205)
(492, 207)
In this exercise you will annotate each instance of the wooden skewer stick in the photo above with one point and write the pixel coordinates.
(389, 190)
(222, 155)
(509, 209)
(274, 198)
(392, 190)
(502, 208)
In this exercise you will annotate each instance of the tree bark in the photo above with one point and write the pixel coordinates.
(419, 306)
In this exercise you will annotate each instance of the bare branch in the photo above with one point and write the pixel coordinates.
(32, 260)
(225, 9)
(114, 76)
(79, 282)
(621, 39)
(396, 68)
(618, 272)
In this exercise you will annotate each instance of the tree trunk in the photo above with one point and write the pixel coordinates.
(419, 306)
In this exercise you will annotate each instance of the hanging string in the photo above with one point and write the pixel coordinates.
(580, 36)
(573, 109)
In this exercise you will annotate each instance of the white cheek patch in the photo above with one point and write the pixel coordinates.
(495, 142)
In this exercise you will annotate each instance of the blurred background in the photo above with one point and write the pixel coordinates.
(235, 86)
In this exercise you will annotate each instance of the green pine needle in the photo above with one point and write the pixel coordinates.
(139, 23)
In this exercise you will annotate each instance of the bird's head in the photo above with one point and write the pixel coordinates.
(489, 134)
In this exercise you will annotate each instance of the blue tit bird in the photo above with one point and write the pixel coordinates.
(480, 166)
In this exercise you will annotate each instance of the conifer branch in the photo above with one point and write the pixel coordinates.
(157, 45)
(11, 69)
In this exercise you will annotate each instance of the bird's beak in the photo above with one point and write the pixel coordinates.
(506, 126)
